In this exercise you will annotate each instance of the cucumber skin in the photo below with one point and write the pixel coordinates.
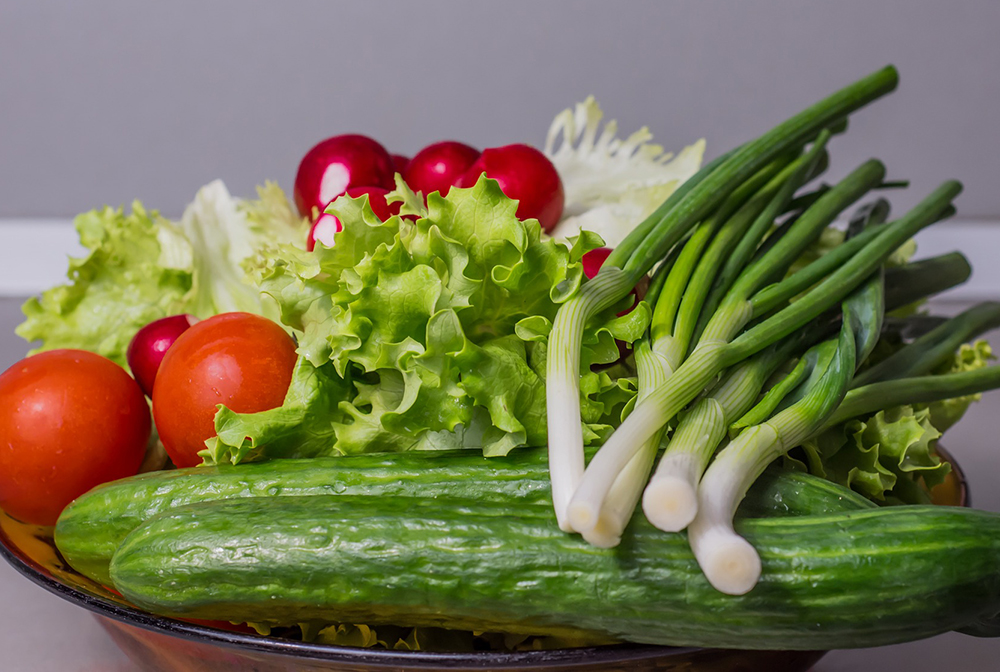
(846, 580)
(92, 527)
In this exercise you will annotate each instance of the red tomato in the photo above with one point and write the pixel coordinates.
(335, 165)
(525, 175)
(437, 167)
(241, 360)
(69, 420)
(326, 225)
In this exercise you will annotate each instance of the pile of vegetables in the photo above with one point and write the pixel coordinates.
(520, 398)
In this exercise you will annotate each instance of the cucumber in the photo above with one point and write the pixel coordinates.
(93, 526)
(852, 579)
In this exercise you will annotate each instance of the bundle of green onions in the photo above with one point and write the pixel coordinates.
(730, 319)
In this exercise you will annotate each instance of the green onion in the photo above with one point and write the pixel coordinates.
(918, 390)
(934, 347)
(713, 355)
(646, 246)
(729, 562)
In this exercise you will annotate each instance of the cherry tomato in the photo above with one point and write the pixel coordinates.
(150, 344)
(526, 175)
(326, 225)
(335, 165)
(437, 167)
(241, 360)
(70, 420)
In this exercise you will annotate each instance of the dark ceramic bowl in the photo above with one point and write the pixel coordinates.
(166, 645)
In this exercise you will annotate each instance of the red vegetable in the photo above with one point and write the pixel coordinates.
(526, 175)
(241, 360)
(335, 165)
(437, 167)
(399, 162)
(592, 262)
(69, 421)
(150, 344)
(326, 225)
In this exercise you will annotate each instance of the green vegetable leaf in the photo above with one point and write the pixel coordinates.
(881, 456)
(433, 331)
(944, 414)
(138, 269)
(141, 267)
(304, 426)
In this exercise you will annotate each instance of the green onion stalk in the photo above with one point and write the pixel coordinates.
(716, 352)
(669, 500)
(655, 354)
(935, 347)
(693, 448)
(646, 246)
(687, 274)
(781, 421)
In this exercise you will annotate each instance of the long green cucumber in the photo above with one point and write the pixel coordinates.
(91, 528)
(843, 580)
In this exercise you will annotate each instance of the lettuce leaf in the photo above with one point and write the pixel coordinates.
(440, 639)
(969, 357)
(430, 333)
(141, 267)
(611, 184)
(138, 269)
(882, 455)
(891, 456)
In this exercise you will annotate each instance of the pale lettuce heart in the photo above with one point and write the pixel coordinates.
(612, 184)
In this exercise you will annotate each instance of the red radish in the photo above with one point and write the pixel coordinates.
(525, 175)
(337, 164)
(323, 231)
(376, 199)
(326, 225)
(437, 167)
(592, 262)
(399, 162)
(150, 344)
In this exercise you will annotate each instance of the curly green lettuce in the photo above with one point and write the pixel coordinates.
(424, 334)
(140, 267)
(891, 456)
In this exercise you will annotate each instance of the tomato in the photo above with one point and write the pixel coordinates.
(241, 360)
(69, 420)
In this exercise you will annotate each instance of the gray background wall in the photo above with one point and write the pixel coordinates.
(108, 100)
